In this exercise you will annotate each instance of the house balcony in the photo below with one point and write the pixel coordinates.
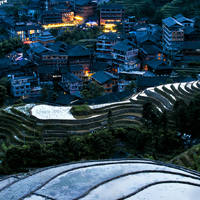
(103, 49)
(104, 44)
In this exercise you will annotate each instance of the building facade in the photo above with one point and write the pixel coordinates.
(111, 13)
(173, 34)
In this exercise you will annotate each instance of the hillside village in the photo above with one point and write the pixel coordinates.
(114, 50)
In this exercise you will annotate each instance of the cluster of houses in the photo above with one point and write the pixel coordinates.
(143, 52)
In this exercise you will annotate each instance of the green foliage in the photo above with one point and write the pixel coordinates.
(18, 101)
(159, 15)
(10, 45)
(3, 31)
(71, 37)
(81, 110)
(169, 81)
(54, 32)
(131, 86)
(197, 22)
(3, 95)
(24, 18)
(92, 91)
(54, 96)
(44, 93)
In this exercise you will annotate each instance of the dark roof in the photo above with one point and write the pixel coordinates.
(148, 37)
(104, 55)
(122, 47)
(144, 18)
(9, 20)
(103, 76)
(114, 6)
(108, 98)
(151, 49)
(82, 2)
(183, 19)
(45, 70)
(79, 51)
(98, 66)
(178, 16)
(22, 62)
(62, 99)
(171, 22)
(157, 64)
(190, 29)
(191, 58)
(112, 36)
(155, 81)
(74, 68)
(27, 27)
(64, 70)
(191, 45)
(39, 49)
(4, 63)
(71, 78)
(128, 42)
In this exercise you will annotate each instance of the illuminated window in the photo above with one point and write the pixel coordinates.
(145, 68)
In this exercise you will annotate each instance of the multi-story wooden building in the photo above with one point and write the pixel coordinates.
(111, 13)
(107, 80)
(55, 59)
(173, 34)
(123, 52)
(106, 41)
(85, 8)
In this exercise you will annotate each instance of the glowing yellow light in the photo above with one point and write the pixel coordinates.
(57, 25)
(78, 18)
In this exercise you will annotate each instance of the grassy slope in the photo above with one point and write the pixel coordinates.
(187, 158)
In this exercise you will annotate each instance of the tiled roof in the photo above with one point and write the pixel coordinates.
(189, 30)
(178, 16)
(191, 45)
(71, 78)
(64, 70)
(45, 70)
(114, 6)
(22, 62)
(99, 66)
(27, 27)
(62, 99)
(184, 19)
(104, 55)
(39, 49)
(171, 22)
(122, 47)
(4, 63)
(103, 76)
(151, 49)
(82, 2)
(74, 68)
(157, 64)
(157, 80)
(79, 51)
(148, 37)
(108, 98)
(112, 36)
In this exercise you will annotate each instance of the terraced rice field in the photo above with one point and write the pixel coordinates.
(47, 123)
(106, 179)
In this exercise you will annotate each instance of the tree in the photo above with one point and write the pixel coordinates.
(148, 115)
(197, 22)
(54, 96)
(119, 28)
(54, 32)
(3, 95)
(24, 18)
(131, 86)
(158, 17)
(194, 75)
(169, 81)
(110, 119)
(92, 91)
(44, 93)
(164, 121)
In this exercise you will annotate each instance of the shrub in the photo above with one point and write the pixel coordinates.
(81, 110)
